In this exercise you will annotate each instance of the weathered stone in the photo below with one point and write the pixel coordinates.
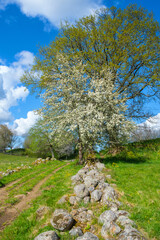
(122, 213)
(50, 235)
(109, 194)
(73, 200)
(86, 200)
(100, 166)
(76, 231)
(89, 181)
(96, 196)
(109, 176)
(107, 216)
(102, 186)
(131, 233)
(62, 220)
(82, 215)
(111, 228)
(42, 211)
(91, 189)
(76, 179)
(81, 191)
(88, 236)
(123, 220)
(62, 199)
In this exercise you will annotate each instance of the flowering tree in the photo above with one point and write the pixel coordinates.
(79, 103)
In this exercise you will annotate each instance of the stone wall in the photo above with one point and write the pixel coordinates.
(103, 215)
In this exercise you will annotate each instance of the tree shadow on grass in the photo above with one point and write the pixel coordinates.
(1, 184)
(124, 159)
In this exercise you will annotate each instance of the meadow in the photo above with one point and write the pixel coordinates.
(135, 171)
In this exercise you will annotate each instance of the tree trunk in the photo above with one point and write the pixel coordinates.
(52, 152)
(81, 161)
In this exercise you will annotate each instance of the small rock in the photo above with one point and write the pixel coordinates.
(50, 235)
(81, 191)
(88, 236)
(76, 231)
(131, 233)
(62, 200)
(109, 194)
(109, 176)
(123, 220)
(86, 200)
(73, 200)
(91, 189)
(62, 220)
(111, 228)
(89, 181)
(96, 196)
(42, 211)
(107, 216)
(100, 166)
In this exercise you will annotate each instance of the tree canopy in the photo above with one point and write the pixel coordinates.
(98, 73)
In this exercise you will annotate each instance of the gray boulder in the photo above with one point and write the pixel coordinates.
(96, 196)
(76, 231)
(109, 194)
(86, 200)
(131, 233)
(50, 235)
(123, 220)
(73, 200)
(90, 181)
(107, 216)
(110, 229)
(62, 220)
(88, 236)
(81, 191)
(100, 166)
(62, 199)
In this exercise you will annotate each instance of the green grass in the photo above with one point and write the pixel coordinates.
(10, 161)
(27, 226)
(136, 171)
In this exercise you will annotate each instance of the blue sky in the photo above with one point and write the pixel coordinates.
(25, 26)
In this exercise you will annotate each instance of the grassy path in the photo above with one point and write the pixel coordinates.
(26, 226)
(11, 213)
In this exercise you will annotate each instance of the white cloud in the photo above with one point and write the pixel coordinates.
(22, 126)
(152, 123)
(55, 10)
(11, 90)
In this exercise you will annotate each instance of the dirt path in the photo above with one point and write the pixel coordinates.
(4, 191)
(11, 213)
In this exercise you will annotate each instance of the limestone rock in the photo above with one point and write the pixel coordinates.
(76, 231)
(86, 200)
(111, 228)
(107, 216)
(42, 211)
(62, 220)
(123, 220)
(82, 215)
(50, 235)
(100, 166)
(88, 236)
(90, 181)
(73, 200)
(81, 191)
(96, 196)
(131, 233)
(62, 199)
(109, 194)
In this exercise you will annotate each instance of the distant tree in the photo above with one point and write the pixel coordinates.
(7, 138)
(44, 141)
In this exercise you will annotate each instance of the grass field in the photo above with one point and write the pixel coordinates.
(11, 161)
(136, 171)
